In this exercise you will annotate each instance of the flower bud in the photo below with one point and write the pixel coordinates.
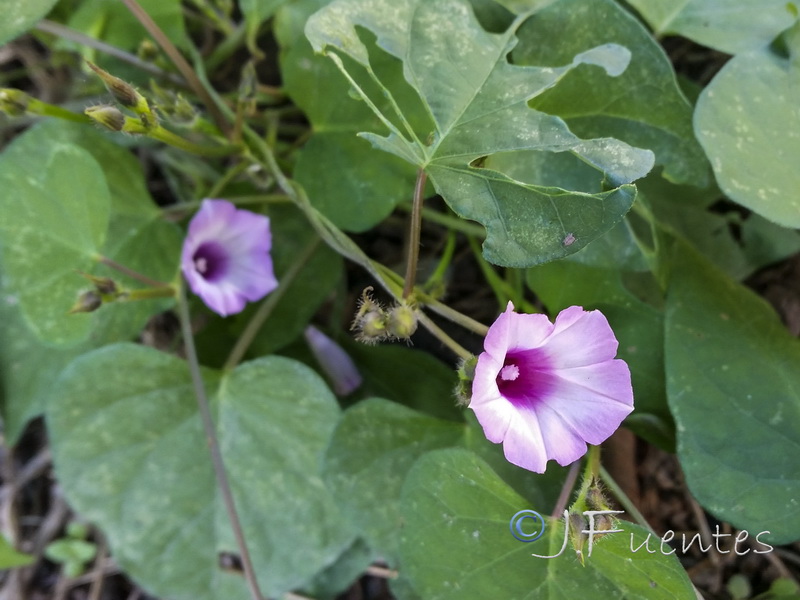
(126, 95)
(14, 102)
(335, 362)
(576, 525)
(370, 320)
(402, 321)
(466, 373)
(109, 117)
(88, 301)
(104, 285)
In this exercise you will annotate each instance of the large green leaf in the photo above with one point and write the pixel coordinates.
(728, 25)
(55, 216)
(137, 238)
(19, 17)
(114, 23)
(734, 390)
(456, 544)
(373, 449)
(747, 120)
(642, 106)
(638, 326)
(375, 182)
(10, 558)
(131, 455)
(478, 103)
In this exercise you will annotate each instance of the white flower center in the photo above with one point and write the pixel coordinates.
(509, 372)
(201, 264)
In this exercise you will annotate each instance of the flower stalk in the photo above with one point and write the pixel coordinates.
(415, 228)
(213, 445)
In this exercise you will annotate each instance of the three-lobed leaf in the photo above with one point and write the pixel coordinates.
(478, 103)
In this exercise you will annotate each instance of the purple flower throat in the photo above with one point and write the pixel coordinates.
(210, 261)
(523, 378)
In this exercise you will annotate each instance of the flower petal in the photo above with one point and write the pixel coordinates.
(243, 271)
(580, 338)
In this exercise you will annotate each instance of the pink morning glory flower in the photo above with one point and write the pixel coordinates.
(226, 258)
(335, 362)
(547, 389)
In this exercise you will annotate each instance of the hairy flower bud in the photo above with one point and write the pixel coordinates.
(402, 322)
(88, 301)
(109, 117)
(466, 373)
(126, 95)
(14, 102)
(104, 285)
(370, 321)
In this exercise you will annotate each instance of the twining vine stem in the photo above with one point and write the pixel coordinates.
(213, 445)
(414, 234)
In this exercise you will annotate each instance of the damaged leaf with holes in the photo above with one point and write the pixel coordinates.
(477, 102)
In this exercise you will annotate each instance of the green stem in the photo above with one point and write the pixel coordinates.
(72, 35)
(436, 278)
(181, 207)
(164, 135)
(213, 445)
(566, 490)
(266, 308)
(453, 315)
(38, 107)
(590, 472)
(149, 293)
(179, 61)
(229, 176)
(414, 234)
(623, 499)
(451, 222)
(437, 331)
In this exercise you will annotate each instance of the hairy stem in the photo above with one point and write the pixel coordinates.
(266, 308)
(414, 234)
(130, 272)
(180, 62)
(213, 445)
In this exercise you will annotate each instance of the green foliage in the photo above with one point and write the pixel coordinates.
(747, 121)
(733, 388)
(375, 183)
(456, 544)
(19, 17)
(72, 551)
(55, 217)
(132, 436)
(728, 25)
(114, 23)
(10, 558)
(642, 106)
(478, 104)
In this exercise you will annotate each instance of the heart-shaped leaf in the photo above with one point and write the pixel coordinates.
(456, 544)
(728, 25)
(734, 390)
(131, 455)
(747, 120)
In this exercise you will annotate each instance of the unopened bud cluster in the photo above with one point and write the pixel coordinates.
(128, 97)
(375, 323)
(105, 290)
